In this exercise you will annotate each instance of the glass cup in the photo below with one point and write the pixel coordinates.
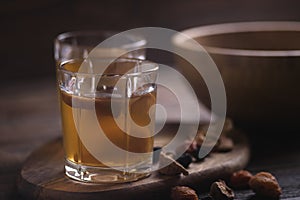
(107, 111)
(78, 44)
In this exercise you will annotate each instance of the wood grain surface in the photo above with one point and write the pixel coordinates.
(42, 176)
(29, 118)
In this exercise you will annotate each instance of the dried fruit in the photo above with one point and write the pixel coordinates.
(185, 160)
(183, 193)
(240, 179)
(220, 191)
(265, 184)
(172, 169)
(192, 147)
(195, 155)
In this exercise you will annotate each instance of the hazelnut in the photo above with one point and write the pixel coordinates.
(220, 191)
(240, 179)
(265, 184)
(183, 193)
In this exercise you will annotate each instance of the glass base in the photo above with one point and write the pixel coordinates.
(91, 174)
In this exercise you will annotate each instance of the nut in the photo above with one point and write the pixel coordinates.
(265, 184)
(220, 191)
(240, 179)
(172, 169)
(267, 175)
(183, 193)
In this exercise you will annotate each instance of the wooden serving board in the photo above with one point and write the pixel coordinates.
(42, 176)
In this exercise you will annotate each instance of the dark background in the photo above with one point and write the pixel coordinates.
(29, 115)
(29, 27)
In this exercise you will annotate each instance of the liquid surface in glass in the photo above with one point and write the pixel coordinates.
(79, 118)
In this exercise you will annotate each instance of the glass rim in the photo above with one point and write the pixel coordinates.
(136, 60)
(85, 33)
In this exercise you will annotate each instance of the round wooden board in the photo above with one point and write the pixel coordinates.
(42, 176)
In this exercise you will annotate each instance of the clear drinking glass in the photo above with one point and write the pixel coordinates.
(107, 113)
(78, 44)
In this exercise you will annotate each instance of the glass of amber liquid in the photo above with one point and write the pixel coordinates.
(107, 111)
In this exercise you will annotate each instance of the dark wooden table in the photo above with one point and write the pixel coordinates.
(29, 118)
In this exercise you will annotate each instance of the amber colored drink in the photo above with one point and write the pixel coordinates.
(78, 110)
(76, 152)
